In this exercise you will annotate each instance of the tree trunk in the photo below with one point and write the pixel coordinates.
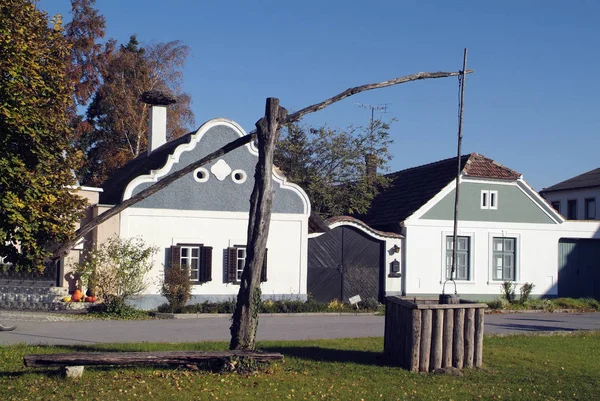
(245, 318)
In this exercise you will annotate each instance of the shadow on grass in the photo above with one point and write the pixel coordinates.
(319, 354)
(532, 328)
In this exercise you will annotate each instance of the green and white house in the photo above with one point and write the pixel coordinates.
(506, 231)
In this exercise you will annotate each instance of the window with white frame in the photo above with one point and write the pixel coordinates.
(503, 259)
(240, 260)
(194, 257)
(190, 256)
(462, 264)
(236, 256)
(489, 199)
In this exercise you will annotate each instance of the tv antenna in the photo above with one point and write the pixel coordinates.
(379, 107)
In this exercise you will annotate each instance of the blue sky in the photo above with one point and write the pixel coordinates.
(532, 103)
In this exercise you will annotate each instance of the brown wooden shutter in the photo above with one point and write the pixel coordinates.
(205, 268)
(263, 271)
(231, 265)
(175, 256)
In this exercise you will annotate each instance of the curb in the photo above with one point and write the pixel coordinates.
(160, 315)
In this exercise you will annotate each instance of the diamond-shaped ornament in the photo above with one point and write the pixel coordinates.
(220, 169)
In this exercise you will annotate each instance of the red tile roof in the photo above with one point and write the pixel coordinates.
(482, 167)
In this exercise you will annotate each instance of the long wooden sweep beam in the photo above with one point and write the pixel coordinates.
(165, 181)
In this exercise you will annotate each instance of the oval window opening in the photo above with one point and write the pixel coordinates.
(238, 176)
(201, 175)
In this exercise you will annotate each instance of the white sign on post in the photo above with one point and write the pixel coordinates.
(354, 300)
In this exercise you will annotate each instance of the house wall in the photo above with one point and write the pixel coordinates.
(536, 255)
(287, 250)
(105, 230)
(210, 207)
(578, 194)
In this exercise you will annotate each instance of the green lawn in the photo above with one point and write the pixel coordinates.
(558, 367)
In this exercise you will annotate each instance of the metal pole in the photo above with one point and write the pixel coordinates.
(458, 157)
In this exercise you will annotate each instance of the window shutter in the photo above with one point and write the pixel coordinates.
(175, 255)
(231, 265)
(263, 271)
(205, 270)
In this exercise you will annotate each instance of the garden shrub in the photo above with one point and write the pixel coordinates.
(273, 306)
(176, 287)
(541, 303)
(508, 291)
(370, 304)
(335, 305)
(117, 268)
(498, 303)
(114, 307)
(525, 292)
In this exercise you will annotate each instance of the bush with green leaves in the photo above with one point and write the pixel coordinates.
(370, 304)
(176, 287)
(118, 267)
(116, 308)
(525, 292)
(498, 303)
(508, 291)
(275, 306)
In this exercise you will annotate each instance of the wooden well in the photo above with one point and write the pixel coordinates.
(422, 335)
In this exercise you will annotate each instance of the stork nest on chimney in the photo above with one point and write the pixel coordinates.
(157, 98)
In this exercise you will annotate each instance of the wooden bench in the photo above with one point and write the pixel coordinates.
(72, 364)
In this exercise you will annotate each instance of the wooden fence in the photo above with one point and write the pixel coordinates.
(421, 335)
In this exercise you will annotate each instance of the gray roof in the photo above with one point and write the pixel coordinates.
(585, 180)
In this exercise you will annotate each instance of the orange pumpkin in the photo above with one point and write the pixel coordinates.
(90, 299)
(76, 296)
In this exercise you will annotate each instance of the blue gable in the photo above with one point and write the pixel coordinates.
(222, 185)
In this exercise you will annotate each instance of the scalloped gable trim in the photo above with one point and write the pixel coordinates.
(173, 159)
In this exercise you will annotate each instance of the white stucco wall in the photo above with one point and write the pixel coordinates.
(536, 257)
(578, 194)
(287, 246)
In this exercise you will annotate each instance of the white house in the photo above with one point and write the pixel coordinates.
(576, 198)
(506, 232)
(201, 220)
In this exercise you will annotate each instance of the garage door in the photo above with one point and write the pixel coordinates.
(579, 268)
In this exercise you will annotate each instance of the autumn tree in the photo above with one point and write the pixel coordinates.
(118, 119)
(88, 55)
(330, 165)
(37, 209)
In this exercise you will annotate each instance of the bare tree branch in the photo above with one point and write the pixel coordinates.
(165, 181)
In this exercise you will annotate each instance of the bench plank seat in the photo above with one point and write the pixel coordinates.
(141, 358)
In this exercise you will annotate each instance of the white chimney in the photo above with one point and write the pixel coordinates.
(157, 136)
(157, 133)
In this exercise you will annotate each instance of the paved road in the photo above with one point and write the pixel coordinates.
(33, 329)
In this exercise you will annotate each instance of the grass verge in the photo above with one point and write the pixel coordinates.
(556, 367)
(549, 305)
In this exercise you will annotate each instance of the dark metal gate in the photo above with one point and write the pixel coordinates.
(343, 263)
(579, 268)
